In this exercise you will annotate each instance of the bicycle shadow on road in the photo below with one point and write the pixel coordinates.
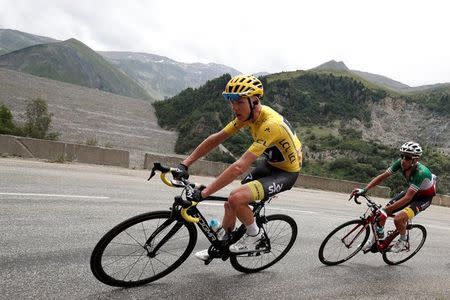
(380, 275)
(200, 285)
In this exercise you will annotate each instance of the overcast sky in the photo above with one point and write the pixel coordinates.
(405, 40)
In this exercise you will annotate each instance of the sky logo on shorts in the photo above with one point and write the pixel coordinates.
(275, 188)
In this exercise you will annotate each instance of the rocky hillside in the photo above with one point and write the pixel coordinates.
(73, 62)
(397, 119)
(81, 113)
(163, 77)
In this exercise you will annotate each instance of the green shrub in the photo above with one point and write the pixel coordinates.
(92, 141)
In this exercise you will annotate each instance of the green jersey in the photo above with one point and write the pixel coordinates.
(421, 180)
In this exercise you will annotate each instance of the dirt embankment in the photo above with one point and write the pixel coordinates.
(81, 113)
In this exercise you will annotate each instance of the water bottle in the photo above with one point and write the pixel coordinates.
(214, 223)
(380, 232)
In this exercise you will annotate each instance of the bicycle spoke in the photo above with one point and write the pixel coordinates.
(133, 238)
(416, 238)
(126, 257)
(337, 246)
(121, 257)
(281, 231)
(132, 266)
(143, 269)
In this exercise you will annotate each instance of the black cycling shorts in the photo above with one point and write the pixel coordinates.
(265, 180)
(415, 206)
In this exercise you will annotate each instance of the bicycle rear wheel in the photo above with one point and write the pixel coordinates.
(282, 232)
(343, 242)
(416, 238)
(125, 256)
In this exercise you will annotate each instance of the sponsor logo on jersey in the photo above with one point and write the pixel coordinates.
(262, 142)
(288, 149)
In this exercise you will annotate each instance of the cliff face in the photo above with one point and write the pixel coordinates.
(395, 121)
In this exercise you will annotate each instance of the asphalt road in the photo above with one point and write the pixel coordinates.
(52, 215)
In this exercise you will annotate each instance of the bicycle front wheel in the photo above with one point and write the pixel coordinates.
(142, 249)
(416, 238)
(343, 242)
(281, 231)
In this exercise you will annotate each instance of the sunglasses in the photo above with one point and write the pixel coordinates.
(232, 96)
(406, 157)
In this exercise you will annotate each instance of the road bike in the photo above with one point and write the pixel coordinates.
(348, 239)
(149, 246)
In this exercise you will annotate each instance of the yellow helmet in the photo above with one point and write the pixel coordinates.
(243, 85)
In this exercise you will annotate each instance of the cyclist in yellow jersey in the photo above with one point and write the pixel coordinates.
(273, 137)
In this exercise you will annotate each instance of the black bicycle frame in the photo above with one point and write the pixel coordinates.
(210, 234)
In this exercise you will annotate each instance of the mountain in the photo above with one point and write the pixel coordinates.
(163, 77)
(383, 81)
(12, 40)
(81, 113)
(380, 81)
(332, 65)
(73, 62)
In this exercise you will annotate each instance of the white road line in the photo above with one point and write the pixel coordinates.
(55, 195)
(269, 207)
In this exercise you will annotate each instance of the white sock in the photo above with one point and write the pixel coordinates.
(252, 229)
(403, 237)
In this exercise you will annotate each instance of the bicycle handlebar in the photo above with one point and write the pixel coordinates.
(370, 202)
(182, 183)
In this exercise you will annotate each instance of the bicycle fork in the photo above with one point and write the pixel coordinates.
(152, 253)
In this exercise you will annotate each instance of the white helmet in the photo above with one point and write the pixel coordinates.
(411, 148)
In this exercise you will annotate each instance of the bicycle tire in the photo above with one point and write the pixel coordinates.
(120, 259)
(337, 235)
(416, 238)
(276, 227)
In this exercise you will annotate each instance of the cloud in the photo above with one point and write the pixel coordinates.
(404, 40)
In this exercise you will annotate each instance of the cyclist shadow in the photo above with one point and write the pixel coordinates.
(363, 271)
(128, 293)
(200, 285)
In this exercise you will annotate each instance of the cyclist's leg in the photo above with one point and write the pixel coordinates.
(409, 211)
(392, 201)
(262, 188)
(237, 206)
(241, 196)
(417, 205)
(278, 181)
(275, 182)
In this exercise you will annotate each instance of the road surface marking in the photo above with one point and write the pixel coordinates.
(55, 195)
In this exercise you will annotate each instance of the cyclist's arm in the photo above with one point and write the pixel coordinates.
(377, 180)
(206, 146)
(400, 202)
(236, 169)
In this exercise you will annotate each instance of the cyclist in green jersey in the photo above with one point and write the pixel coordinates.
(273, 138)
(418, 196)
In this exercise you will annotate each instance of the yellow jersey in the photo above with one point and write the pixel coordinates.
(273, 136)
